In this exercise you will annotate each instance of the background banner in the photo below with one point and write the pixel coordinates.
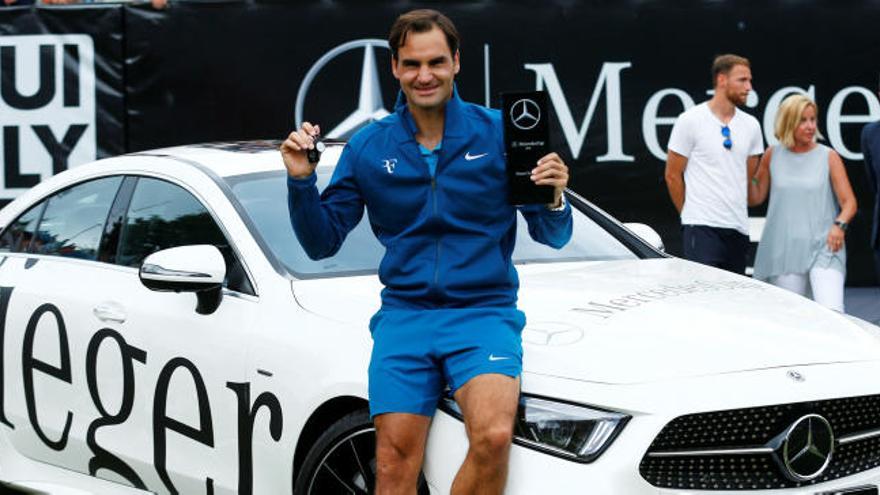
(61, 91)
(617, 74)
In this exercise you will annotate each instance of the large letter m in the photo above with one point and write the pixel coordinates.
(609, 79)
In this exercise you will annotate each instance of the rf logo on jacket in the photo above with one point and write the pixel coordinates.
(389, 164)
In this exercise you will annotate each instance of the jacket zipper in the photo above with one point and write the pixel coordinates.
(437, 241)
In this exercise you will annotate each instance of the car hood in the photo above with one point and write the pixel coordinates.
(637, 321)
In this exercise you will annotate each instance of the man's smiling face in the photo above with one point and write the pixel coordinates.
(426, 69)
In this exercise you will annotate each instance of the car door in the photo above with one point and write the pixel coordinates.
(130, 385)
(50, 280)
(192, 361)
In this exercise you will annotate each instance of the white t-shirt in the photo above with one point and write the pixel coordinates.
(716, 187)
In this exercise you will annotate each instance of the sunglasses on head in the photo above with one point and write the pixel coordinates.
(725, 131)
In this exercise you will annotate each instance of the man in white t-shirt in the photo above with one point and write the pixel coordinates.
(713, 152)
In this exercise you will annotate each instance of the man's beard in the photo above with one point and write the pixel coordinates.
(736, 99)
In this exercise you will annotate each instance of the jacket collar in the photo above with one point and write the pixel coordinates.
(454, 124)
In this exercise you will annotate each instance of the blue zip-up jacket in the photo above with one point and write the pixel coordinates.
(449, 237)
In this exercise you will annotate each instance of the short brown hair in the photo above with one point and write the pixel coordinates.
(724, 63)
(421, 21)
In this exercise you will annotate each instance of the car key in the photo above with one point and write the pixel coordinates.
(314, 154)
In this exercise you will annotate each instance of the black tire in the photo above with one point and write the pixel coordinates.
(343, 460)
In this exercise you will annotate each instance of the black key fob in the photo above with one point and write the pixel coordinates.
(314, 154)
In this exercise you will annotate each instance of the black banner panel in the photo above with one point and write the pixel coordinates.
(617, 74)
(61, 91)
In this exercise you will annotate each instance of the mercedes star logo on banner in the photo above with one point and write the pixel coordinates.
(370, 105)
(525, 114)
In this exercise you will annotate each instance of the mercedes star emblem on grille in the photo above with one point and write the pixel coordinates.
(807, 447)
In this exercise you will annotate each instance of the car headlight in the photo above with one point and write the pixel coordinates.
(571, 431)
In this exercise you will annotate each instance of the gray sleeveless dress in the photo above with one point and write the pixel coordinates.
(801, 212)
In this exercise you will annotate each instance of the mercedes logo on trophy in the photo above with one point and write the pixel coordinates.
(526, 140)
(525, 114)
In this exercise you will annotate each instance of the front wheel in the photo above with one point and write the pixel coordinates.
(343, 460)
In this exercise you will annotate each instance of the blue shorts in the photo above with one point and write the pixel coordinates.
(418, 353)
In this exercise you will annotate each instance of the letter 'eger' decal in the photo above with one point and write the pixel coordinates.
(204, 434)
(103, 459)
(246, 416)
(5, 295)
(29, 364)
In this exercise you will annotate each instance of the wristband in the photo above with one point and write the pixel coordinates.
(561, 206)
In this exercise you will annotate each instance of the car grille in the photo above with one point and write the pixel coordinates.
(728, 450)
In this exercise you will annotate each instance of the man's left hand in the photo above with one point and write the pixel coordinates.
(552, 171)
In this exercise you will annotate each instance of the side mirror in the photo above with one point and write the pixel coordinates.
(200, 269)
(647, 234)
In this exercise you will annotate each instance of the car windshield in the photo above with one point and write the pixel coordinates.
(264, 198)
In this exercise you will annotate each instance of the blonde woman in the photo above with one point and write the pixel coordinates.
(802, 248)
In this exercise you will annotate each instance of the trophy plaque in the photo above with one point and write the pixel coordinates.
(526, 140)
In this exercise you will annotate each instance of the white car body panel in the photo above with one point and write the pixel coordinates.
(654, 339)
(568, 337)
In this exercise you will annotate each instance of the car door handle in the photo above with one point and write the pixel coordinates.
(109, 312)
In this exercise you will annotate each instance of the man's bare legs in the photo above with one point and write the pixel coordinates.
(400, 448)
(489, 404)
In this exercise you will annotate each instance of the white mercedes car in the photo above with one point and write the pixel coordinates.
(163, 332)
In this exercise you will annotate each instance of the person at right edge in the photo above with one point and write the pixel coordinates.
(713, 150)
(802, 247)
(871, 151)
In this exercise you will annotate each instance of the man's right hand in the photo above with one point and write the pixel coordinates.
(293, 151)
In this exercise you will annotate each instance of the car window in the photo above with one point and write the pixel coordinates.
(74, 218)
(163, 215)
(17, 237)
(264, 198)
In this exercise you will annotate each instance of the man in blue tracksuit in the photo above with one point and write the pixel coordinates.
(432, 178)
